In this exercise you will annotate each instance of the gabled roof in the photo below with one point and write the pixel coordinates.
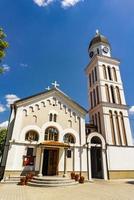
(53, 90)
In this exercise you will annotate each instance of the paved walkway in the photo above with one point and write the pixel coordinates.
(98, 190)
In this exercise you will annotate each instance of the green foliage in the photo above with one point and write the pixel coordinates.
(3, 46)
(3, 133)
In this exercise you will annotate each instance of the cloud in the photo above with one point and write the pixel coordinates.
(6, 68)
(2, 108)
(131, 110)
(69, 3)
(24, 65)
(4, 124)
(11, 98)
(43, 3)
(64, 3)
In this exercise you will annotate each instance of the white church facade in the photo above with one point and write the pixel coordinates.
(48, 135)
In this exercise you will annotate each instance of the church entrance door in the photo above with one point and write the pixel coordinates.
(96, 162)
(50, 162)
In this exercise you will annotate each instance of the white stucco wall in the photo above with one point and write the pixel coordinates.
(120, 158)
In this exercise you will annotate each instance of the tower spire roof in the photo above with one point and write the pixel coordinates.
(98, 38)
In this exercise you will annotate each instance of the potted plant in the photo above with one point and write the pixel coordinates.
(72, 175)
(81, 180)
(29, 176)
(76, 177)
(23, 181)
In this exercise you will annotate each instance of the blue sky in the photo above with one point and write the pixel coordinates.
(49, 41)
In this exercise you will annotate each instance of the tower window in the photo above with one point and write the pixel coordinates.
(123, 128)
(95, 72)
(104, 72)
(114, 74)
(107, 93)
(98, 52)
(112, 127)
(94, 97)
(93, 77)
(109, 73)
(118, 128)
(97, 94)
(99, 120)
(90, 80)
(96, 121)
(91, 99)
(112, 94)
(118, 94)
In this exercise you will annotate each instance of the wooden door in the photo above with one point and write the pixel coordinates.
(53, 162)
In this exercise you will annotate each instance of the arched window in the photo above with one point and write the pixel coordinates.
(94, 95)
(96, 140)
(51, 133)
(118, 128)
(123, 129)
(118, 94)
(97, 94)
(112, 127)
(32, 136)
(91, 99)
(69, 138)
(37, 107)
(93, 119)
(99, 120)
(50, 117)
(107, 93)
(109, 73)
(35, 118)
(25, 112)
(95, 73)
(104, 72)
(93, 77)
(90, 80)
(114, 74)
(112, 94)
(31, 109)
(96, 122)
(55, 117)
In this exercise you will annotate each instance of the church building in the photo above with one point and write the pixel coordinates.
(48, 134)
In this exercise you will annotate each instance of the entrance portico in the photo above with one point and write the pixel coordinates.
(49, 158)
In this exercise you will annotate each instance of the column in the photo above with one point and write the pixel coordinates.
(65, 163)
(104, 164)
(89, 163)
(41, 162)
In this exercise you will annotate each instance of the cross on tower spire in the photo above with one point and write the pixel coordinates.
(55, 84)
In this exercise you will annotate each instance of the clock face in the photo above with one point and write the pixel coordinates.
(91, 54)
(105, 49)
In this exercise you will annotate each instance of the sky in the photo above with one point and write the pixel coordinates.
(48, 41)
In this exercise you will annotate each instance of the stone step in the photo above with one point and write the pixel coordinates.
(51, 185)
(52, 181)
(51, 178)
(11, 179)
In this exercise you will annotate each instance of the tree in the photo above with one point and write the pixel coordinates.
(3, 46)
(3, 134)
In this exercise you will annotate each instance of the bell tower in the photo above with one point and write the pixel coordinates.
(108, 110)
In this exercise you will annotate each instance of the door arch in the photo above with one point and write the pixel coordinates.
(97, 156)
